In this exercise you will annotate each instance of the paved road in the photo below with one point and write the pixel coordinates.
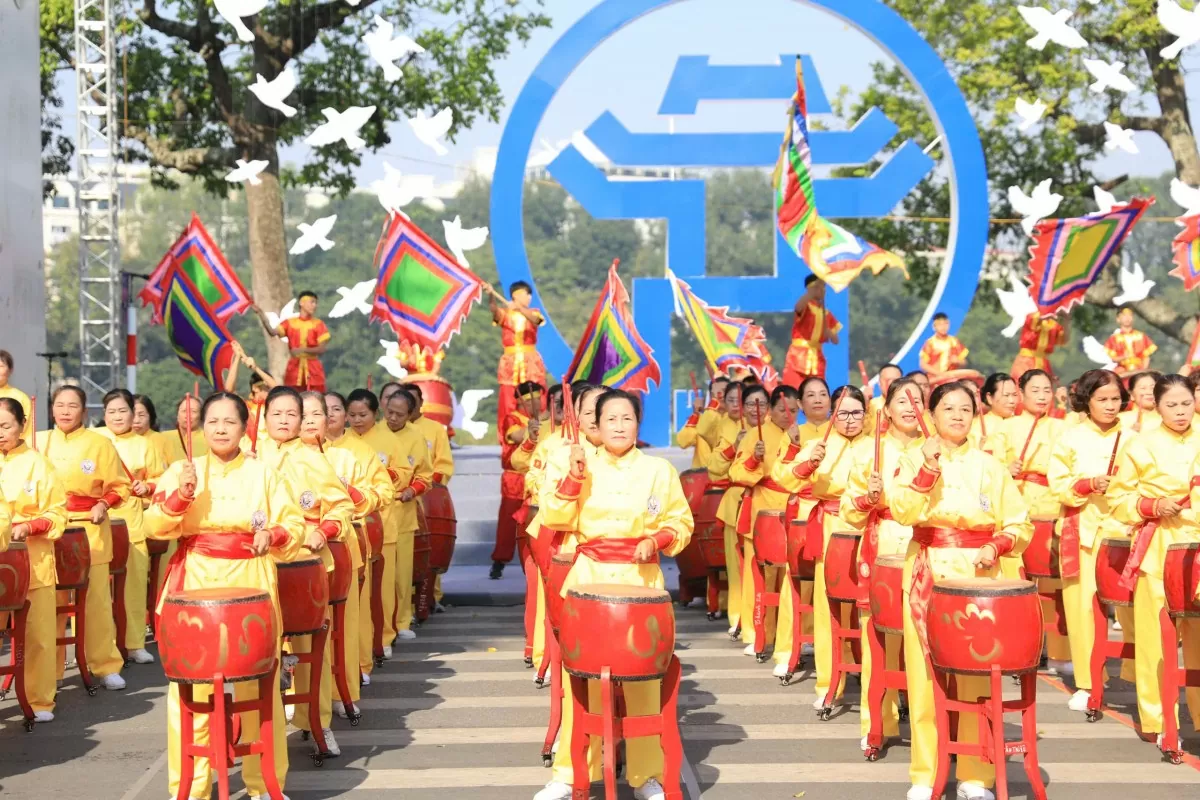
(456, 716)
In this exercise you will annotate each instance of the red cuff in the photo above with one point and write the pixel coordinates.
(529, 445)
(713, 405)
(804, 469)
(569, 488)
(112, 499)
(330, 528)
(1003, 545)
(39, 526)
(418, 486)
(925, 479)
(355, 495)
(662, 540)
(692, 420)
(863, 503)
(392, 474)
(152, 487)
(752, 463)
(1148, 507)
(177, 505)
(1084, 486)
(279, 536)
(437, 477)
(729, 453)
(792, 451)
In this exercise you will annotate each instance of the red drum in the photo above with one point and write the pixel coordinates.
(1041, 556)
(72, 559)
(303, 595)
(690, 561)
(706, 511)
(967, 375)
(977, 622)
(360, 534)
(373, 523)
(438, 405)
(695, 482)
(120, 545)
(205, 631)
(1181, 577)
(799, 567)
(629, 629)
(841, 567)
(560, 565)
(709, 540)
(770, 538)
(343, 572)
(422, 551)
(443, 526)
(1110, 563)
(887, 594)
(14, 577)
(157, 547)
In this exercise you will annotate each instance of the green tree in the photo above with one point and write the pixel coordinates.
(56, 23)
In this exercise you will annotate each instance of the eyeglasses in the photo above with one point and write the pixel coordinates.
(845, 415)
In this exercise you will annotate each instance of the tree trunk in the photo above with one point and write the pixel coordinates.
(272, 286)
(1176, 129)
(1153, 310)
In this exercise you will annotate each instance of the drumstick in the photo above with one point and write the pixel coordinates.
(836, 408)
(196, 390)
(569, 425)
(369, 377)
(695, 388)
(187, 441)
(1028, 439)
(862, 370)
(758, 408)
(258, 425)
(878, 430)
(920, 416)
(128, 474)
(1112, 461)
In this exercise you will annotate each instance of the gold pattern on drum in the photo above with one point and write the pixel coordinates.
(244, 642)
(657, 640)
(7, 583)
(978, 625)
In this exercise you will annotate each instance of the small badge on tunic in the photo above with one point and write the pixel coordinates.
(345, 482)
(307, 500)
(653, 506)
(411, 461)
(383, 459)
(88, 466)
(258, 521)
(28, 487)
(985, 503)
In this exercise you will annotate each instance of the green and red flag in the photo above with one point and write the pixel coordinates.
(1187, 253)
(197, 256)
(198, 336)
(729, 343)
(611, 352)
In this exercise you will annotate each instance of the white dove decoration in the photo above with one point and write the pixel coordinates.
(466, 409)
(393, 191)
(1029, 113)
(1096, 353)
(1051, 28)
(360, 299)
(1134, 286)
(430, 130)
(1108, 75)
(385, 50)
(1105, 199)
(232, 12)
(1187, 197)
(390, 360)
(459, 239)
(315, 235)
(343, 125)
(272, 94)
(1183, 24)
(287, 312)
(247, 171)
(1118, 137)
(1032, 208)
(1017, 304)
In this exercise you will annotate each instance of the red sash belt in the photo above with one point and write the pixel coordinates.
(745, 514)
(724, 483)
(814, 538)
(1141, 544)
(1036, 478)
(79, 503)
(921, 589)
(767, 483)
(612, 550)
(230, 546)
(869, 548)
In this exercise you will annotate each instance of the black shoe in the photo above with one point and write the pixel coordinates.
(497, 570)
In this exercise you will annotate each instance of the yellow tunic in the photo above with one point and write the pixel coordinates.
(171, 443)
(812, 430)
(358, 465)
(26, 406)
(144, 461)
(29, 490)
(313, 484)
(893, 536)
(702, 436)
(387, 450)
(1082, 452)
(1148, 420)
(718, 469)
(441, 459)
(994, 425)
(88, 465)
(741, 473)
(412, 467)
(1014, 434)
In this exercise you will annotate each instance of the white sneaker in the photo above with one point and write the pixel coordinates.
(339, 709)
(264, 797)
(331, 745)
(973, 791)
(554, 790)
(438, 608)
(1056, 667)
(1079, 700)
(43, 716)
(733, 630)
(749, 651)
(862, 744)
(114, 682)
(650, 790)
(806, 649)
(919, 793)
(289, 713)
(365, 680)
(405, 634)
(387, 652)
(781, 669)
(819, 702)
(1116, 625)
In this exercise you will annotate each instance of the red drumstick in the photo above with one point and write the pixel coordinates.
(695, 388)
(196, 390)
(33, 420)
(1028, 439)
(862, 370)
(369, 377)
(570, 424)
(187, 439)
(829, 429)
(758, 406)
(878, 431)
(920, 416)
(1112, 461)
(258, 426)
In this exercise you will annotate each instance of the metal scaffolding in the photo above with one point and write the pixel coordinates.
(96, 197)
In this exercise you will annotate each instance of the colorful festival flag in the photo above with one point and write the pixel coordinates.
(1068, 255)
(837, 256)
(422, 292)
(1193, 354)
(1187, 253)
(728, 342)
(611, 352)
(197, 256)
(197, 335)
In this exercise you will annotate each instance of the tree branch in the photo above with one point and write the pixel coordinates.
(189, 161)
(1094, 134)
(1154, 310)
(306, 27)
(169, 27)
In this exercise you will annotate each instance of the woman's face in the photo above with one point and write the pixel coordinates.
(1038, 395)
(733, 404)
(618, 426)
(849, 417)
(118, 416)
(922, 380)
(283, 419)
(754, 409)
(903, 414)
(718, 391)
(587, 417)
(783, 413)
(953, 416)
(1143, 394)
(815, 402)
(361, 417)
(223, 428)
(1105, 405)
(335, 419)
(1176, 407)
(397, 412)
(188, 409)
(314, 423)
(68, 411)
(1004, 401)
(141, 419)
(10, 430)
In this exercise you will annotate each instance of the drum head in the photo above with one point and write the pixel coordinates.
(223, 596)
(304, 562)
(890, 561)
(984, 586)
(619, 593)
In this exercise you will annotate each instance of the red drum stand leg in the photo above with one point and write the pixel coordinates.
(340, 668)
(839, 669)
(1169, 687)
(312, 695)
(377, 610)
(152, 595)
(556, 700)
(763, 600)
(76, 607)
(799, 639)
(118, 610)
(882, 680)
(713, 599)
(14, 673)
(423, 595)
(1102, 650)
(531, 576)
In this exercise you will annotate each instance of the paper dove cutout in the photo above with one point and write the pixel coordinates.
(1134, 286)
(393, 191)
(1183, 24)
(466, 409)
(360, 298)
(430, 130)
(1029, 113)
(1096, 353)
(287, 312)
(1051, 28)
(1017, 304)
(385, 50)
(273, 93)
(1118, 137)
(390, 360)
(232, 12)
(315, 235)
(247, 171)
(1105, 200)
(1185, 196)
(343, 125)
(1041, 204)
(1108, 75)
(459, 239)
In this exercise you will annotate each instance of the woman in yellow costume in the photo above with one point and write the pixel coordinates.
(233, 517)
(90, 469)
(1000, 398)
(627, 508)
(865, 505)
(814, 407)
(731, 429)
(703, 427)
(1152, 491)
(36, 502)
(1079, 480)
(327, 509)
(1143, 414)
(142, 463)
(966, 513)
(173, 442)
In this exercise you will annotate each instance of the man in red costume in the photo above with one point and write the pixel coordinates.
(1039, 336)
(812, 327)
(1130, 348)
(518, 429)
(520, 363)
(307, 339)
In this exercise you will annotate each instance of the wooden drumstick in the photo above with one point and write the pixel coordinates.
(1028, 439)
(1112, 461)
(918, 409)
(878, 431)
(187, 439)
(828, 430)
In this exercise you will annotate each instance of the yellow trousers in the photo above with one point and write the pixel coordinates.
(350, 647)
(733, 578)
(891, 698)
(747, 610)
(366, 625)
(437, 588)
(823, 635)
(100, 641)
(404, 584)
(1057, 646)
(39, 648)
(783, 628)
(923, 722)
(251, 766)
(300, 646)
(1078, 596)
(137, 576)
(539, 622)
(643, 755)
(390, 592)
(1148, 599)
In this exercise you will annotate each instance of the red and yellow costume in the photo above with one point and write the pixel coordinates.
(520, 362)
(811, 328)
(412, 472)
(304, 371)
(701, 432)
(941, 354)
(1039, 336)
(1131, 351)
(719, 462)
(512, 483)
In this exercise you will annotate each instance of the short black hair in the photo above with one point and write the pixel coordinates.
(70, 387)
(940, 316)
(1165, 383)
(917, 372)
(7, 359)
(717, 379)
(516, 286)
(810, 280)
(1029, 374)
(282, 391)
(753, 389)
(338, 396)
(318, 396)
(363, 396)
(384, 389)
(783, 391)
(898, 386)
(854, 392)
(611, 395)
(890, 365)
(118, 394)
(151, 411)
(13, 406)
(1153, 375)
(810, 379)
(992, 385)
(1093, 381)
(242, 411)
(415, 388)
(938, 394)
(407, 396)
(307, 293)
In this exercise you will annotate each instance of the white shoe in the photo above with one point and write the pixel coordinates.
(554, 790)
(781, 669)
(749, 651)
(438, 608)
(973, 791)
(141, 656)
(650, 790)
(365, 680)
(114, 682)
(387, 652)
(339, 709)
(289, 713)
(264, 797)
(331, 745)
(806, 649)
(1056, 667)
(43, 716)
(819, 702)
(1116, 625)
(1079, 700)
(919, 793)
(733, 630)
(405, 634)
